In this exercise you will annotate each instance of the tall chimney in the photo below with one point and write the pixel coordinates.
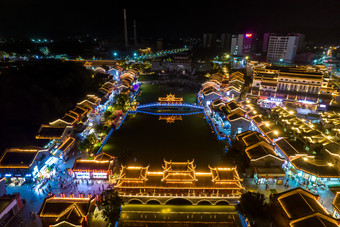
(125, 30)
(135, 33)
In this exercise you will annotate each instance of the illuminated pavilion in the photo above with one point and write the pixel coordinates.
(179, 179)
(170, 98)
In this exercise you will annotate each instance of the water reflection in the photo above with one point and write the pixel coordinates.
(148, 140)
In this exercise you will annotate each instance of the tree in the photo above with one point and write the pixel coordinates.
(88, 143)
(107, 115)
(110, 204)
(121, 101)
(252, 205)
(44, 98)
(236, 156)
(102, 128)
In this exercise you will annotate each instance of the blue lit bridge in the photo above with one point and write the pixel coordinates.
(171, 108)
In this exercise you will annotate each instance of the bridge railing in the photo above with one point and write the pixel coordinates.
(169, 114)
(169, 105)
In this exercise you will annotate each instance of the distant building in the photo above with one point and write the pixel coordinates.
(225, 41)
(179, 63)
(282, 48)
(159, 44)
(209, 40)
(248, 43)
(302, 44)
(242, 44)
(236, 45)
(265, 41)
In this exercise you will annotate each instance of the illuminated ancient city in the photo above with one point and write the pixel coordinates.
(170, 117)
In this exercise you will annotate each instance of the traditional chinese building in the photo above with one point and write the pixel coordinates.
(298, 207)
(49, 132)
(18, 164)
(64, 147)
(265, 164)
(100, 168)
(60, 211)
(300, 85)
(170, 98)
(179, 180)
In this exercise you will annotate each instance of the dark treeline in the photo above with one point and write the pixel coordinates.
(39, 92)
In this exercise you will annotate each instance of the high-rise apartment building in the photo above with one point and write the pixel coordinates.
(236, 45)
(225, 41)
(209, 40)
(282, 48)
(242, 44)
(265, 41)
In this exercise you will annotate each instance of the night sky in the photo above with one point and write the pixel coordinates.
(318, 19)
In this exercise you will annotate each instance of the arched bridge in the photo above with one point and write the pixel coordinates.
(168, 107)
(181, 200)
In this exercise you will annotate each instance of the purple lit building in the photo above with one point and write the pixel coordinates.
(242, 44)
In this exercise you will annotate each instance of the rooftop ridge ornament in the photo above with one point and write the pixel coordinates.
(170, 98)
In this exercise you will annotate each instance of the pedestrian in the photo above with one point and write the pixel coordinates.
(286, 184)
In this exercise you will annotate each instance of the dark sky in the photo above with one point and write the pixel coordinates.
(318, 19)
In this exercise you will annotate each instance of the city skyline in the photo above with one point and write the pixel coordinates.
(313, 18)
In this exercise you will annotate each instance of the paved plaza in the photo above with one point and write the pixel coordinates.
(61, 183)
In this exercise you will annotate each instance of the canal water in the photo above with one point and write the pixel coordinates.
(144, 139)
(172, 215)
